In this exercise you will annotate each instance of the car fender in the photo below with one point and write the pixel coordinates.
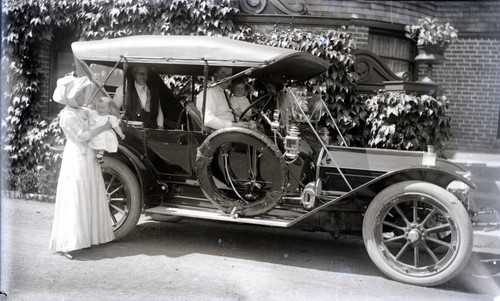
(431, 174)
(435, 175)
(147, 180)
(369, 190)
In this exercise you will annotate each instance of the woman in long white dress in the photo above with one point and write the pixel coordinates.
(82, 216)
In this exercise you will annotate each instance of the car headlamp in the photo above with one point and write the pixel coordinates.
(292, 143)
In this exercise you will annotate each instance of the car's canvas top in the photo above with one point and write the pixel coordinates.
(200, 50)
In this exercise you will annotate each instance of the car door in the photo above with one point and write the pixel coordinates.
(168, 152)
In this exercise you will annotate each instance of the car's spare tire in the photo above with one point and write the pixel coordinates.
(241, 171)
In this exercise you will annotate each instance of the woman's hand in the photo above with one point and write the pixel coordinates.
(107, 125)
(97, 131)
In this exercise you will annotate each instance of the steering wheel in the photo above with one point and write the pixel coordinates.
(266, 97)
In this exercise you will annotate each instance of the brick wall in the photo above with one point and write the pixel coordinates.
(470, 79)
(44, 82)
(471, 18)
(390, 11)
(360, 35)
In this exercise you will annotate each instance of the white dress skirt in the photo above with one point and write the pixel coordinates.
(82, 217)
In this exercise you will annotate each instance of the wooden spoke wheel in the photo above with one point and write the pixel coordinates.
(418, 233)
(124, 197)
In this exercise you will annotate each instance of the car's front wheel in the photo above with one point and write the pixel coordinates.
(418, 233)
(124, 196)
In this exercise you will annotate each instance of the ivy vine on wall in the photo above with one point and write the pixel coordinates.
(29, 23)
(27, 138)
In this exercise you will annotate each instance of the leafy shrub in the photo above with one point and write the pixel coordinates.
(40, 168)
(430, 32)
(36, 181)
(401, 121)
(42, 140)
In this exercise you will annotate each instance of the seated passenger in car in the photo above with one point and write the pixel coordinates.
(218, 110)
(239, 100)
(143, 104)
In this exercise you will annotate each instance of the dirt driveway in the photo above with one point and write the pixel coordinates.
(198, 260)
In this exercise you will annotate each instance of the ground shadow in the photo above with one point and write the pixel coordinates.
(319, 251)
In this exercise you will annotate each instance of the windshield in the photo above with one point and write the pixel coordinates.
(304, 105)
(101, 72)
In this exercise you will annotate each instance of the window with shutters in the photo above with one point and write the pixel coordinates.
(397, 51)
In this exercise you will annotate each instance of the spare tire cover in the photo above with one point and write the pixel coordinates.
(258, 141)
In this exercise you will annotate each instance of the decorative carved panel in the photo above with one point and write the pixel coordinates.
(373, 72)
(375, 75)
(255, 7)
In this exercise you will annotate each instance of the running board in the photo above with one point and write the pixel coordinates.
(217, 215)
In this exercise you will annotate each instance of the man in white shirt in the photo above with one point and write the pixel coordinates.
(144, 103)
(218, 112)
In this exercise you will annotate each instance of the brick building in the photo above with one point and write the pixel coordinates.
(470, 77)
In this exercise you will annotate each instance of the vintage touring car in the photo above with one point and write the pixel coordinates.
(411, 208)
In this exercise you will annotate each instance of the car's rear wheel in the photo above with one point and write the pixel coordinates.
(403, 225)
(124, 196)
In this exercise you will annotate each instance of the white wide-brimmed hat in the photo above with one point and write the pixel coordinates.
(70, 89)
